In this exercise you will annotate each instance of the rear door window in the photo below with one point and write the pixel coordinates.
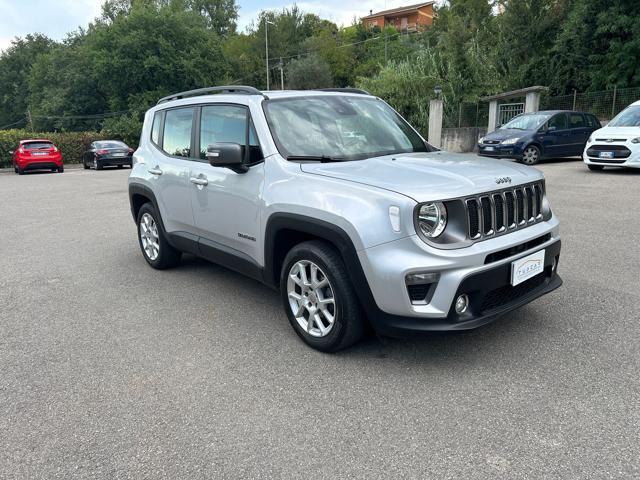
(178, 125)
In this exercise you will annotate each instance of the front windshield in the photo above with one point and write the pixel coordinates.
(526, 122)
(629, 117)
(339, 127)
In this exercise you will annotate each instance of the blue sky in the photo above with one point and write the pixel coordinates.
(55, 18)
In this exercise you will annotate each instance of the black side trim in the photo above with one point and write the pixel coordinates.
(185, 242)
(229, 258)
(282, 222)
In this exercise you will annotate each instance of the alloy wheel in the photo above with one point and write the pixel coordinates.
(530, 156)
(311, 298)
(149, 236)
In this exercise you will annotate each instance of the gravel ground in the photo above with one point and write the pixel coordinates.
(109, 369)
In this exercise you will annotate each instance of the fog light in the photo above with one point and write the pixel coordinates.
(462, 304)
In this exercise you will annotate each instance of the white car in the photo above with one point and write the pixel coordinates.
(617, 144)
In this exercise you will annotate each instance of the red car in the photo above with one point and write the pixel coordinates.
(38, 154)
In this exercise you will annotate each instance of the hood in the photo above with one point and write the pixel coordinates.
(617, 132)
(505, 133)
(428, 176)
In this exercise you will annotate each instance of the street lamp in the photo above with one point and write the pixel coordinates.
(266, 46)
(437, 90)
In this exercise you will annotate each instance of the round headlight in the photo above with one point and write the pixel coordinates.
(432, 218)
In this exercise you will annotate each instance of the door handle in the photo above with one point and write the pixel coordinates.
(199, 181)
(155, 170)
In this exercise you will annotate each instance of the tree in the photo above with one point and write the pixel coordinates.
(221, 15)
(16, 65)
(308, 73)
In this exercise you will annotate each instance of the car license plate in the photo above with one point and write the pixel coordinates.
(38, 154)
(606, 154)
(489, 149)
(527, 267)
(118, 154)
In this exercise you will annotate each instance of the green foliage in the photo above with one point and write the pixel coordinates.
(308, 73)
(71, 144)
(407, 87)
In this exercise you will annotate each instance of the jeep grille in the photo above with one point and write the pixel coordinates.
(495, 213)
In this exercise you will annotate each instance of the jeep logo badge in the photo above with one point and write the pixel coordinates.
(500, 180)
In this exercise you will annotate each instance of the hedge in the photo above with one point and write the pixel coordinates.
(71, 144)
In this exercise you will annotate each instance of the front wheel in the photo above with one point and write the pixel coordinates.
(319, 299)
(531, 155)
(595, 168)
(153, 242)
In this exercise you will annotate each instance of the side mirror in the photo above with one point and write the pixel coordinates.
(227, 155)
(552, 129)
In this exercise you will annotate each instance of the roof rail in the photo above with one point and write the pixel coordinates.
(238, 89)
(345, 90)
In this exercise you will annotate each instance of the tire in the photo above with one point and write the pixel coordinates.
(15, 169)
(20, 171)
(530, 155)
(86, 167)
(120, 166)
(163, 256)
(61, 169)
(348, 324)
(97, 165)
(595, 168)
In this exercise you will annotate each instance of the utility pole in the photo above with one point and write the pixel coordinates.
(30, 119)
(281, 75)
(266, 45)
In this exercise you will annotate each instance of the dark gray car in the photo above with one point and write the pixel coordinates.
(107, 153)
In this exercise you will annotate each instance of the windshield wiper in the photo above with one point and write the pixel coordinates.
(313, 158)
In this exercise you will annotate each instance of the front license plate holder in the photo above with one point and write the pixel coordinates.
(606, 154)
(527, 267)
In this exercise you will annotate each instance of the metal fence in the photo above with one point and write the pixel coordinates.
(466, 115)
(604, 104)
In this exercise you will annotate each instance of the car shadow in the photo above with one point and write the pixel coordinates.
(432, 347)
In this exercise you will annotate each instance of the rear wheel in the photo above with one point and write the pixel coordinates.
(531, 155)
(86, 167)
(320, 301)
(20, 171)
(97, 165)
(61, 169)
(153, 242)
(120, 166)
(595, 168)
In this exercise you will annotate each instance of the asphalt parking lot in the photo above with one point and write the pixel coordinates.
(110, 369)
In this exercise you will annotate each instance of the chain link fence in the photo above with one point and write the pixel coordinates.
(604, 104)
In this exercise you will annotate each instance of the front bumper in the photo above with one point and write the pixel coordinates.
(500, 151)
(632, 161)
(482, 271)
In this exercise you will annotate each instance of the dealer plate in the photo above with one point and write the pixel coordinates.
(527, 267)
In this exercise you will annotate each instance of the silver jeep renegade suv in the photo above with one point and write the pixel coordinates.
(333, 199)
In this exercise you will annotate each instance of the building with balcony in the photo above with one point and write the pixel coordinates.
(405, 19)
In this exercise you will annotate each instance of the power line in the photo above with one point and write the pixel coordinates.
(12, 124)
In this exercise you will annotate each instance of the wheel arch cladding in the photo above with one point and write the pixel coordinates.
(285, 230)
(138, 196)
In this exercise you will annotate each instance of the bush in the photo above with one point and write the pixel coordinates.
(71, 144)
